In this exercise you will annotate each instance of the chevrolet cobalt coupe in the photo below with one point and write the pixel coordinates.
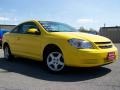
(58, 45)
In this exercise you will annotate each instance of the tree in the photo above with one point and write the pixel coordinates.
(82, 29)
(91, 30)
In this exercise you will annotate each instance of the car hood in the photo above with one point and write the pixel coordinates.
(84, 36)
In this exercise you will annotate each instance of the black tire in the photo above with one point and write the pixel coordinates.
(54, 61)
(7, 53)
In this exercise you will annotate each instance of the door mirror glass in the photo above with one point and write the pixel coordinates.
(33, 31)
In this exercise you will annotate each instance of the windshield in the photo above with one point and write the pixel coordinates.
(57, 27)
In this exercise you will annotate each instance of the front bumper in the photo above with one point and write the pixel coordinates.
(88, 57)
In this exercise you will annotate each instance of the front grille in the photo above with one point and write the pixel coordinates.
(102, 42)
(104, 45)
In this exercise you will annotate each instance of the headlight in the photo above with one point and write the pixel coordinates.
(78, 43)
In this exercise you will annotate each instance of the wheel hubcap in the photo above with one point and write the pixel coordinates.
(55, 61)
(6, 52)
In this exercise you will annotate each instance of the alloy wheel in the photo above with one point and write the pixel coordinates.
(55, 61)
(6, 53)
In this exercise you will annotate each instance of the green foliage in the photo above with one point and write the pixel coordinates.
(82, 29)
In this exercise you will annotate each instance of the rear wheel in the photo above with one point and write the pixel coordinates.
(54, 61)
(7, 53)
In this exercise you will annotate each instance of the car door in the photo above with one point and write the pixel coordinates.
(24, 44)
(29, 44)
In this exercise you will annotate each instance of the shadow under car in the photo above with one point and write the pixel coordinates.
(35, 69)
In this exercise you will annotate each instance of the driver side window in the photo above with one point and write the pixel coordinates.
(27, 26)
(22, 28)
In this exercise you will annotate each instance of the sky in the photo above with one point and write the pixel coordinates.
(77, 13)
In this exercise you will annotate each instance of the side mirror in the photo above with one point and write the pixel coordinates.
(33, 31)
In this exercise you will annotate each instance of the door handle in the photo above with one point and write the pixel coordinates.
(18, 38)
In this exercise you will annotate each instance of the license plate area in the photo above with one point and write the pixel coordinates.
(111, 56)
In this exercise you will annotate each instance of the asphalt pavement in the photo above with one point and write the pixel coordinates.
(22, 74)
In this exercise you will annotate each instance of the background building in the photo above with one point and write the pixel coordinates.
(7, 27)
(111, 32)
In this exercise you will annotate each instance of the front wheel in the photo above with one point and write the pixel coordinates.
(55, 61)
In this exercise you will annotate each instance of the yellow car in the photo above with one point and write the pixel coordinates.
(58, 45)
